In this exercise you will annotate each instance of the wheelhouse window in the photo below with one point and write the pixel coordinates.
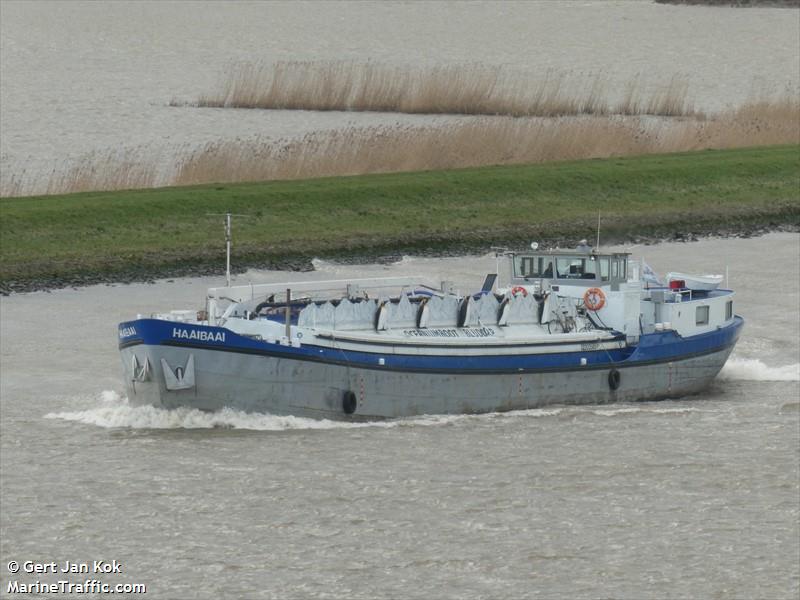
(562, 268)
(701, 316)
(604, 269)
(576, 268)
(569, 267)
(523, 266)
(729, 310)
(533, 266)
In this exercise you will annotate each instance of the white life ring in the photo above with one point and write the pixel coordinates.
(594, 299)
(518, 289)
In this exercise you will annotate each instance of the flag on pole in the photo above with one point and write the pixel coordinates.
(650, 277)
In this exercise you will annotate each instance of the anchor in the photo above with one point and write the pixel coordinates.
(140, 372)
(180, 379)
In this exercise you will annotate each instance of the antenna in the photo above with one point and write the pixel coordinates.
(228, 249)
(597, 246)
(228, 239)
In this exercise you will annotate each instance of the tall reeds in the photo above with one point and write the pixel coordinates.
(136, 167)
(478, 142)
(128, 168)
(484, 141)
(471, 89)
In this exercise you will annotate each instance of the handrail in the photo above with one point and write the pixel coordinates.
(243, 293)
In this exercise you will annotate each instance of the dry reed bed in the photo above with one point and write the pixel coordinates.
(479, 142)
(473, 89)
(488, 141)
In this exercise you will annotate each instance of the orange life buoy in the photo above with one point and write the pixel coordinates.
(519, 290)
(594, 299)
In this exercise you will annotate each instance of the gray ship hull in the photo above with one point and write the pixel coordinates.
(284, 386)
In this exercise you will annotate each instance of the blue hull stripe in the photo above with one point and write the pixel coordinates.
(652, 348)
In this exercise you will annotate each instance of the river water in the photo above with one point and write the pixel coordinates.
(696, 498)
(79, 77)
(688, 498)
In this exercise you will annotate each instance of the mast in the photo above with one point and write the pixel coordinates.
(228, 241)
(597, 245)
(228, 249)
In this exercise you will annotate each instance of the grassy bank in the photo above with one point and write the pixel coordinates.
(81, 238)
(737, 3)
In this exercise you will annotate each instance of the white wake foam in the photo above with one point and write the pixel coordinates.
(116, 412)
(751, 369)
(645, 408)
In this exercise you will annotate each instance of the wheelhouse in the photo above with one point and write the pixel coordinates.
(570, 268)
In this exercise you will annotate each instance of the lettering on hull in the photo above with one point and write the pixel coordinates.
(198, 335)
(476, 332)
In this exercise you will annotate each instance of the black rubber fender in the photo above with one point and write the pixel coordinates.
(504, 306)
(421, 311)
(382, 308)
(614, 379)
(463, 310)
(349, 402)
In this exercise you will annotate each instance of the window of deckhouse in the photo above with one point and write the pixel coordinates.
(604, 269)
(532, 266)
(589, 268)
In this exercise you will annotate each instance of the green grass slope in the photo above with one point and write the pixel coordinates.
(170, 230)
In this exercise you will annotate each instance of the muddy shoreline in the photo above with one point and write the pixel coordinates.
(736, 3)
(438, 249)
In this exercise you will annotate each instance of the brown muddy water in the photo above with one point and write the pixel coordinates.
(689, 498)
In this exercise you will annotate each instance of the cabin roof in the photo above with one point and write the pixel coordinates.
(568, 252)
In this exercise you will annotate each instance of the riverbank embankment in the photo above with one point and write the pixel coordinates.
(736, 3)
(140, 235)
